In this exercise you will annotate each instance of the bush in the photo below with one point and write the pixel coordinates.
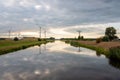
(114, 53)
(98, 40)
(105, 38)
(52, 38)
(16, 39)
(39, 39)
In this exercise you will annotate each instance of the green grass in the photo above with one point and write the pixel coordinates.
(7, 46)
(114, 53)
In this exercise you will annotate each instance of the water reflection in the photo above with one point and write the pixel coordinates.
(79, 49)
(45, 47)
(56, 61)
(98, 54)
(42, 48)
(39, 49)
(112, 62)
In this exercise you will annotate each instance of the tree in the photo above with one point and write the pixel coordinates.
(79, 37)
(82, 37)
(110, 32)
(105, 38)
(52, 38)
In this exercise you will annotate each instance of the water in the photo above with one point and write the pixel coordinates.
(57, 61)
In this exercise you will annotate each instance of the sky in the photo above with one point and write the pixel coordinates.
(60, 18)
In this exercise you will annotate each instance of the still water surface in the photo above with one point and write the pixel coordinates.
(56, 61)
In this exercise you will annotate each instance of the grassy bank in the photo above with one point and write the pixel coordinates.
(108, 49)
(98, 49)
(7, 46)
(114, 53)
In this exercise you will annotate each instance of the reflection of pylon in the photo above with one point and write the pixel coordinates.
(40, 49)
(45, 47)
(79, 49)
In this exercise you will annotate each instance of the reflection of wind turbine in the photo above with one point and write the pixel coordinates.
(40, 49)
(45, 47)
(79, 49)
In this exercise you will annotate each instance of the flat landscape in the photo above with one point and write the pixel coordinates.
(59, 39)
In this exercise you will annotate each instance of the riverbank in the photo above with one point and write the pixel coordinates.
(109, 49)
(105, 45)
(7, 46)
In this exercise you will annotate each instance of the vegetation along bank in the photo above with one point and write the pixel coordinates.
(109, 49)
(12, 45)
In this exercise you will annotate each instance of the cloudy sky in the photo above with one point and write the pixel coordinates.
(60, 18)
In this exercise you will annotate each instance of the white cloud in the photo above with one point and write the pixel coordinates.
(47, 7)
(25, 19)
(38, 7)
(9, 3)
(27, 3)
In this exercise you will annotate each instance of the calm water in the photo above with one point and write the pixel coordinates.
(57, 61)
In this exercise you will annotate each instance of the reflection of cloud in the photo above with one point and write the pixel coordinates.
(37, 72)
(25, 59)
(47, 71)
(8, 76)
(25, 75)
(61, 46)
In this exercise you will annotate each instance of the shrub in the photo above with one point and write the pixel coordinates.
(114, 53)
(39, 39)
(52, 38)
(16, 39)
(98, 40)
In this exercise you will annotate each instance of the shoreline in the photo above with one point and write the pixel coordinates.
(12, 46)
(109, 49)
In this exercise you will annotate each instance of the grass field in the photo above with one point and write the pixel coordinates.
(11, 45)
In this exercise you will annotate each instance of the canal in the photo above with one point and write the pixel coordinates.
(57, 61)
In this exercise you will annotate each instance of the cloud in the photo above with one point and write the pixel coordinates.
(38, 7)
(47, 7)
(24, 14)
(8, 3)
